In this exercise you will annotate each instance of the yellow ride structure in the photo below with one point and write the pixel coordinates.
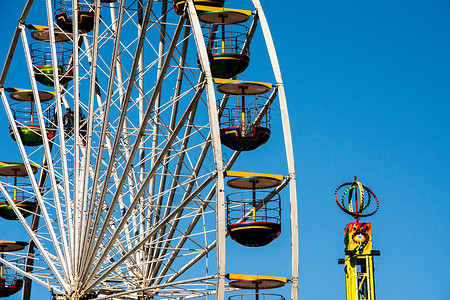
(358, 261)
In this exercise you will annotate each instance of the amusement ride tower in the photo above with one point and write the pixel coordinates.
(359, 267)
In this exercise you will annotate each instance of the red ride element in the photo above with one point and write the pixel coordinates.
(359, 212)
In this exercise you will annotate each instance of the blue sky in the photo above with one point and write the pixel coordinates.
(367, 85)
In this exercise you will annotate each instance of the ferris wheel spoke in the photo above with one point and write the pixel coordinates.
(29, 262)
(265, 107)
(156, 228)
(250, 34)
(65, 172)
(180, 244)
(69, 254)
(195, 219)
(147, 116)
(95, 245)
(87, 155)
(49, 165)
(144, 184)
(107, 105)
(181, 153)
(132, 266)
(175, 177)
(192, 225)
(115, 175)
(160, 72)
(176, 96)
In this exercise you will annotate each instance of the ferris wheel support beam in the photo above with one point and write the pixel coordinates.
(66, 267)
(198, 214)
(115, 175)
(141, 118)
(250, 34)
(288, 146)
(95, 243)
(14, 42)
(87, 156)
(181, 156)
(154, 231)
(107, 105)
(136, 146)
(217, 150)
(175, 111)
(149, 176)
(59, 100)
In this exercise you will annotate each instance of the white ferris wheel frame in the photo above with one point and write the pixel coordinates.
(70, 250)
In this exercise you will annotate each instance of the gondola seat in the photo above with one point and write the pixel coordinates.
(254, 234)
(233, 139)
(85, 21)
(44, 75)
(31, 135)
(25, 207)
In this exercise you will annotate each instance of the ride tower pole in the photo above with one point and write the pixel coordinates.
(358, 261)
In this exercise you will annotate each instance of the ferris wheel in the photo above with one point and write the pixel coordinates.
(123, 190)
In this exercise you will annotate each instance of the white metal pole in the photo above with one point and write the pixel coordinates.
(288, 145)
(216, 145)
(47, 153)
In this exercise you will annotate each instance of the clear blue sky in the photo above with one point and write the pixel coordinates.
(368, 91)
